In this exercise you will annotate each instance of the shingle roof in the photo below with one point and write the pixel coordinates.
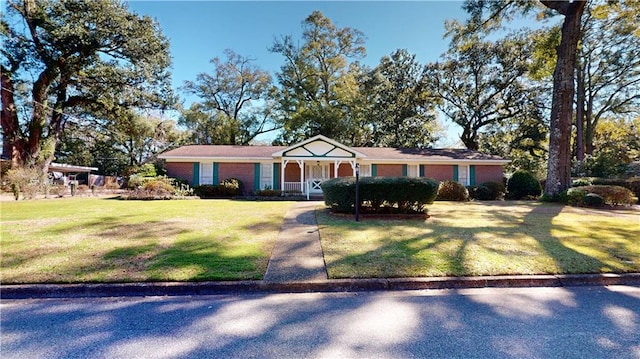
(432, 153)
(372, 153)
(227, 151)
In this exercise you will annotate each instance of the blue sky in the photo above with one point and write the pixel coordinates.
(201, 30)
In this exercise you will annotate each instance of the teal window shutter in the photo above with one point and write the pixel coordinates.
(455, 173)
(196, 174)
(472, 175)
(256, 176)
(422, 169)
(276, 176)
(374, 170)
(216, 178)
(404, 170)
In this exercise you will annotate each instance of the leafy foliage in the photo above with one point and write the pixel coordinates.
(225, 189)
(523, 185)
(593, 200)
(313, 84)
(92, 57)
(617, 143)
(400, 111)
(380, 194)
(28, 180)
(614, 195)
(480, 83)
(487, 191)
(452, 191)
(226, 114)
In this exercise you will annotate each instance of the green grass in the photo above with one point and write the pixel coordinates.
(104, 240)
(484, 238)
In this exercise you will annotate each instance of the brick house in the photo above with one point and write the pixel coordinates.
(303, 166)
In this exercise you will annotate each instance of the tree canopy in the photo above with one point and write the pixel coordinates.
(91, 55)
(226, 113)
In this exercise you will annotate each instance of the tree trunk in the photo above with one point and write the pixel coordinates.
(580, 100)
(559, 164)
(12, 145)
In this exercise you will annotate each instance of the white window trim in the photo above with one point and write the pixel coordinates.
(206, 173)
(266, 177)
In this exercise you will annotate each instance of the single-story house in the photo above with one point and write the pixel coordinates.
(64, 174)
(302, 167)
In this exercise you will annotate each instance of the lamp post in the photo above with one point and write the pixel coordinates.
(357, 192)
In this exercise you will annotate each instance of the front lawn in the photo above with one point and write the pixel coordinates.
(107, 240)
(484, 238)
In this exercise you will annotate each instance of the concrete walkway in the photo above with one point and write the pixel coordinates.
(297, 255)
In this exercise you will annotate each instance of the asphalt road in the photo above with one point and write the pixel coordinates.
(571, 322)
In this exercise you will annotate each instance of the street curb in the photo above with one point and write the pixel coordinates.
(92, 290)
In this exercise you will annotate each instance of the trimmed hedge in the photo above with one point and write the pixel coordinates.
(378, 194)
(523, 185)
(452, 191)
(633, 184)
(613, 195)
(228, 188)
(487, 191)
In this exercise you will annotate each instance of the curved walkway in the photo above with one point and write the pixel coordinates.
(297, 255)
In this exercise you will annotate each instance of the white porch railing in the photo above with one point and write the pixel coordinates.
(306, 188)
(294, 187)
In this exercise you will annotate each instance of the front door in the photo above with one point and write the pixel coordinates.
(316, 174)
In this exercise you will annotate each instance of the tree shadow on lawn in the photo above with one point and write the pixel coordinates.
(113, 226)
(568, 260)
(198, 259)
(445, 250)
(435, 251)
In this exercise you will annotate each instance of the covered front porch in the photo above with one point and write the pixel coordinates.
(307, 164)
(311, 174)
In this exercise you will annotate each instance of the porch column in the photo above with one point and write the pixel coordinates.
(284, 164)
(336, 164)
(353, 166)
(301, 165)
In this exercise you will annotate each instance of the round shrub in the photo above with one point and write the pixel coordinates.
(614, 195)
(575, 196)
(158, 188)
(482, 193)
(523, 185)
(487, 191)
(593, 200)
(452, 191)
(230, 187)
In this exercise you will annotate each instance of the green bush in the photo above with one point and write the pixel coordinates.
(378, 194)
(268, 193)
(593, 200)
(633, 183)
(227, 188)
(487, 191)
(452, 191)
(159, 187)
(523, 185)
(207, 191)
(575, 196)
(230, 187)
(28, 180)
(613, 195)
(584, 181)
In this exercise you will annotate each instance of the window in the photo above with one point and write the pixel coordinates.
(206, 173)
(266, 175)
(463, 175)
(412, 170)
(365, 170)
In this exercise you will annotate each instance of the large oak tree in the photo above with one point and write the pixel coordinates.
(69, 55)
(312, 80)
